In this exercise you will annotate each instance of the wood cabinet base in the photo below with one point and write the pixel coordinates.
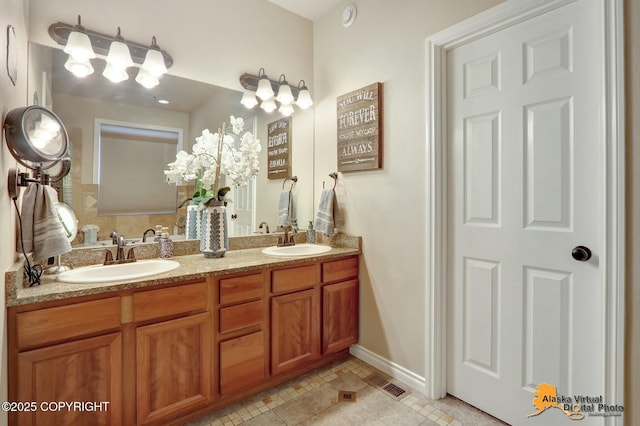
(169, 354)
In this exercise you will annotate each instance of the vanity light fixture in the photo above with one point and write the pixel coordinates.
(79, 68)
(249, 100)
(154, 61)
(80, 52)
(82, 45)
(284, 92)
(304, 100)
(269, 105)
(264, 90)
(119, 56)
(115, 75)
(262, 87)
(78, 44)
(286, 110)
(147, 79)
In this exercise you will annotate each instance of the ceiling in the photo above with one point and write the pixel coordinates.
(310, 9)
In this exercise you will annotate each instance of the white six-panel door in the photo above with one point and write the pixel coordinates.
(525, 186)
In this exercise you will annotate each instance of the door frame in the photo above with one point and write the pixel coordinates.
(491, 21)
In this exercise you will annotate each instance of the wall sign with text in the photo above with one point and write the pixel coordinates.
(279, 149)
(360, 129)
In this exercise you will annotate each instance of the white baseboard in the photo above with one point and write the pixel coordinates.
(396, 371)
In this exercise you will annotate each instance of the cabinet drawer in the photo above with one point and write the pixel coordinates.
(240, 316)
(294, 278)
(241, 289)
(340, 269)
(169, 301)
(44, 326)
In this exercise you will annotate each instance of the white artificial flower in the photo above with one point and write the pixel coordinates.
(239, 161)
(237, 124)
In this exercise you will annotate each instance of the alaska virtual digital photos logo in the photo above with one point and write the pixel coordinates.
(546, 396)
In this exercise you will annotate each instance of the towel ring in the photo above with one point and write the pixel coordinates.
(294, 179)
(334, 176)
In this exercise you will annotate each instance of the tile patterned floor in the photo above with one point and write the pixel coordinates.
(312, 399)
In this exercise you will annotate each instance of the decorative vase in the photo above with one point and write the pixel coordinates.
(214, 239)
(193, 223)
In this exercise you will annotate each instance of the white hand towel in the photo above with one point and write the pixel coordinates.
(328, 216)
(42, 231)
(285, 208)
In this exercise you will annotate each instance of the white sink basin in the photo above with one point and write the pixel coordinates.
(297, 250)
(123, 271)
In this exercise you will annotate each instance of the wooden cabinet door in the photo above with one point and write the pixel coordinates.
(242, 363)
(339, 315)
(174, 368)
(295, 330)
(84, 370)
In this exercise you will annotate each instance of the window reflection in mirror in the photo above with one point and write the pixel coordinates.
(130, 163)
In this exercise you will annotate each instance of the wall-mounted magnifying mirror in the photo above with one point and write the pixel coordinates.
(70, 225)
(35, 135)
(38, 140)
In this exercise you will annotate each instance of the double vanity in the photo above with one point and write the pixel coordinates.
(175, 345)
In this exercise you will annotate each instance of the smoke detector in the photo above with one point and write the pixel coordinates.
(349, 15)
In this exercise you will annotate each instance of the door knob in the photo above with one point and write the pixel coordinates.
(234, 216)
(581, 253)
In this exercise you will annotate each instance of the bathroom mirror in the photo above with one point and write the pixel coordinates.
(67, 219)
(193, 107)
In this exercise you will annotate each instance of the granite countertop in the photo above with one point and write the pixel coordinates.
(192, 267)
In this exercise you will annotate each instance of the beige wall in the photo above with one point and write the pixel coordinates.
(632, 71)
(13, 13)
(386, 207)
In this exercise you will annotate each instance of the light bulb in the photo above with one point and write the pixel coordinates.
(304, 98)
(249, 100)
(79, 68)
(154, 60)
(146, 79)
(79, 46)
(284, 92)
(119, 55)
(268, 105)
(286, 110)
(264, 90)
(115, 75)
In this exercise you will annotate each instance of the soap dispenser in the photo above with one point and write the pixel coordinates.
(165, 244)
(311, 233)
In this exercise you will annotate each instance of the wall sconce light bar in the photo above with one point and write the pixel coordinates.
(60, 31)
(250, 82)
(260, 87)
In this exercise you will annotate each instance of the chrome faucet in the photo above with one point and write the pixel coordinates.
(114, 237)
(265, 224)
(144, 235)
(287, 240)
(120, 248)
